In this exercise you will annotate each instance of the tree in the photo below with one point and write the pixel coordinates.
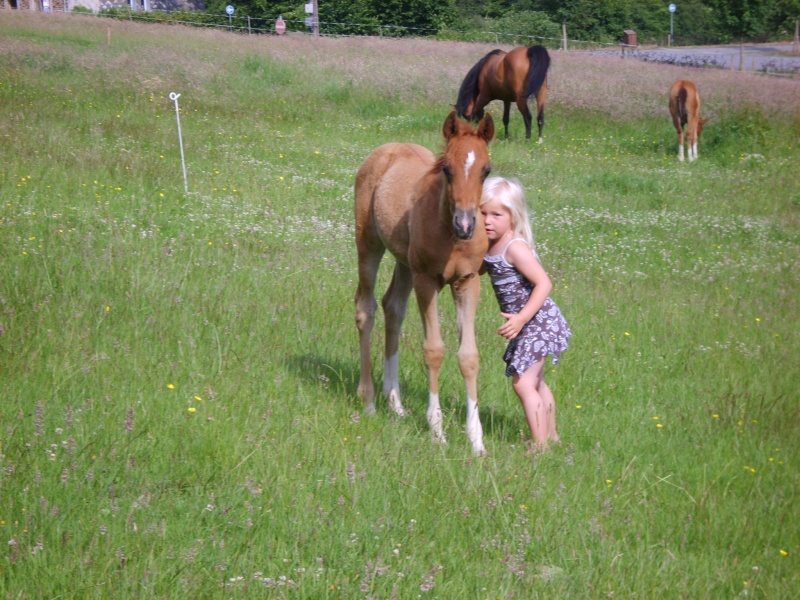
(741, 19)
(526, 24)
(788, 11)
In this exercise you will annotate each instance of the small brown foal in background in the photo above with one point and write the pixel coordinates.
(684, 106)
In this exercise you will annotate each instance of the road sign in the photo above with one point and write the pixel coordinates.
(671, 25)
(280, 26)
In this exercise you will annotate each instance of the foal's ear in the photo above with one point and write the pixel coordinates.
(486, 128)
(450, 127)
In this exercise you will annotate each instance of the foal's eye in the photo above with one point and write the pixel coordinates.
(486, 170)
(448, 172)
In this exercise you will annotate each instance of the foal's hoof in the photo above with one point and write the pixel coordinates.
(395, 405)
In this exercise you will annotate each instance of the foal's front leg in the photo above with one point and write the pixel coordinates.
(433, 349)
(466, 292)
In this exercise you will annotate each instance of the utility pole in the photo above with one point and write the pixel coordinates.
(315, 16)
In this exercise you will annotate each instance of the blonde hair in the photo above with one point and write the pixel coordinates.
(510, 195)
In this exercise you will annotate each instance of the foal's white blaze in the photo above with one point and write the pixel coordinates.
(468, 163)
(474, 428)
(391, 385)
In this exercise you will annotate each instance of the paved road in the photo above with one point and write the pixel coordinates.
(767, 58)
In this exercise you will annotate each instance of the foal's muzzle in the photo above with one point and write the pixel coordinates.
(464, 223)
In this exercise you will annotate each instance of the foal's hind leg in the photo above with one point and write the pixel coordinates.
(691, 140)
(394, 308)
(365, 319)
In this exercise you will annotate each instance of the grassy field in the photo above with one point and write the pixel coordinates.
(178, 400)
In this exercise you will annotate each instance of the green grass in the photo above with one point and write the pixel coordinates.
(179, 372)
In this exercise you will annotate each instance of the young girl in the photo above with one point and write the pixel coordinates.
(534, 325)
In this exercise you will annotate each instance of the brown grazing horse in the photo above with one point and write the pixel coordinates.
(684, 106)
(425, 211)
(511, 76)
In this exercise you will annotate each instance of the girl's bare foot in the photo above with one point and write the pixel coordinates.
(535, 448)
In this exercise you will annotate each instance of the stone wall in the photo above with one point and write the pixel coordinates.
(50, 5)
(98, 5)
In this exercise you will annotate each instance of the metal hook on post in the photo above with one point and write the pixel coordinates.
(174, 97)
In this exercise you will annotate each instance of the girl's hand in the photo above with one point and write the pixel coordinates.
(513, 325)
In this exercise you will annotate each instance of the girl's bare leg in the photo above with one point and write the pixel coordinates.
(533, 404)
(550, 407)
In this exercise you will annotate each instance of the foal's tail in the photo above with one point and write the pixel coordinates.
(537, 72)
(469, 87)
(681, 105)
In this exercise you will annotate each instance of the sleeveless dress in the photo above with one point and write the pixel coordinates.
(546, 333)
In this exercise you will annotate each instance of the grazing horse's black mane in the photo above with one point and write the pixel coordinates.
(469, 87)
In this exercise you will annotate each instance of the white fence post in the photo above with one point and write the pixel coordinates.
(174, 97)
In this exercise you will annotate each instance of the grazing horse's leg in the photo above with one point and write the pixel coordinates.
(394, 308)
(506, 111)
(540, 102)
(427, 292)
(465, 294)
(368, 264)
(522, 105)
(540, 122)
(680, 143)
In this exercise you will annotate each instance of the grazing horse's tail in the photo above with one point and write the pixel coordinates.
(469, 87)
(537, 72)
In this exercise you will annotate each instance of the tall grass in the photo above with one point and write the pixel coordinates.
(179, 370)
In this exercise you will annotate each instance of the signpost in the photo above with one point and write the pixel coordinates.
(671, 34)
(280, 26)
(229, 9)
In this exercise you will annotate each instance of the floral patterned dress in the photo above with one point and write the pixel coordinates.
(546, 333)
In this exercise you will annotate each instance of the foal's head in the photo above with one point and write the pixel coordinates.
(465, 165)
(700, 123)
